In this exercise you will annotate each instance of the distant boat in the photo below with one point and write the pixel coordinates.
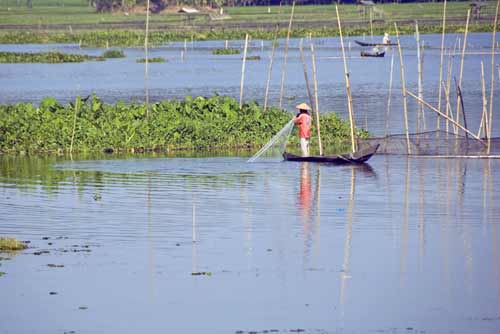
(372, 53)
(358, 157)
(374, 44)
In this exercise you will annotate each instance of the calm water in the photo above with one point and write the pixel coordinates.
(399, 246)
(201, 73)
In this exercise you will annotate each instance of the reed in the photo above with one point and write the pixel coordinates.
(403, 89)
(464, 46)
(347, 85)
(243, 70)
(492, 82)
(285, 56)
(316, 100)
(269, 72)
(438, 119)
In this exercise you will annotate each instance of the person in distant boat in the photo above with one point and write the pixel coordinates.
(386, 39)
(303, 121)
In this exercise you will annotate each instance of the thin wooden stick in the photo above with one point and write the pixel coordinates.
(270, 68)
(448, 104)
(74, 125)
(347, 86)
(403, 89)
(492, 83)
(283, 69)
(306, 76)
(448, 85)
(483, 127)
(146, 61)
(419, 78)
(441, 114)
(457, 115)
(243, 70)
(316, 100)
(389, 97)
(441, 64)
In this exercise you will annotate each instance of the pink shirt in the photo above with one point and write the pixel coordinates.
(304, 123)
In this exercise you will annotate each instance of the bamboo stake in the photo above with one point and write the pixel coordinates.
(283, 69)
(492, 83)
(74, 125)
(306, 77)
(448, 85)
(243, 70)
(419, 78)
(448, 104)
(403, 89)
(266, 96)
(441, 114)
(316, 100)
(347, 85)
(457, 115)
(389, 97)
(483, 127)
(146, 76)
(441, 64)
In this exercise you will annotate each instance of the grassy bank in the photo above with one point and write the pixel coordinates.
(79, 23)
(214, 123)
(53, 57)
(129, 38)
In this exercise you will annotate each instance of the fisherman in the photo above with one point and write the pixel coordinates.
(386, 39)
(303, 120)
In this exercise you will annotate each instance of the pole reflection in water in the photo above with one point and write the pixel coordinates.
(317, 224)
(404, 228)
(347, 246)
(305, 208)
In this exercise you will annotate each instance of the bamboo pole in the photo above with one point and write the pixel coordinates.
(74, 125)
(464, 46)
(419, 78)
(283, 69)
(146, 75)
(448, 104)
(441, 64)
(389, 97)
(316, 100)
(443, 115)
(403, 89)
(448, 85)
(483, 127)
(306, 77)
(492, 83)
(266, 96)
(347, 85)
(243, 70)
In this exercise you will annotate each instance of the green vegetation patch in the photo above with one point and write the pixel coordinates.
(152, 60)
(11, 244)
(114, 54)
(52, 57)
(253, 58)
(228, 51)
(202, 124)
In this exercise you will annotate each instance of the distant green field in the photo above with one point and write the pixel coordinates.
(46, 12)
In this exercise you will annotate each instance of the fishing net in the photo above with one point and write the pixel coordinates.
(275, 147)
(433, 143)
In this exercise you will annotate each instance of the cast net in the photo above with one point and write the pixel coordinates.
(433, 143)
(275, 147)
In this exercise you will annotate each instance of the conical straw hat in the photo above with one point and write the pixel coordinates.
(303, 106)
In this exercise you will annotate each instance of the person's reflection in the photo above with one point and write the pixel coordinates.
(305, 192)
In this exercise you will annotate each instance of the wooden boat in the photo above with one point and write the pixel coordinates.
(358, 157)
(372, 54)
(374, 44)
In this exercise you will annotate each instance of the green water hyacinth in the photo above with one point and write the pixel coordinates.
(52, 57)
(11, 245)
(152, 60)
(201, 123)
(114, 54)
(228, 51)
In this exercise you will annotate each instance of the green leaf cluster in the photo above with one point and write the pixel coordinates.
(228, 51)
(52, 57)
(114, 54)
(152, 60)
(213, 123)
